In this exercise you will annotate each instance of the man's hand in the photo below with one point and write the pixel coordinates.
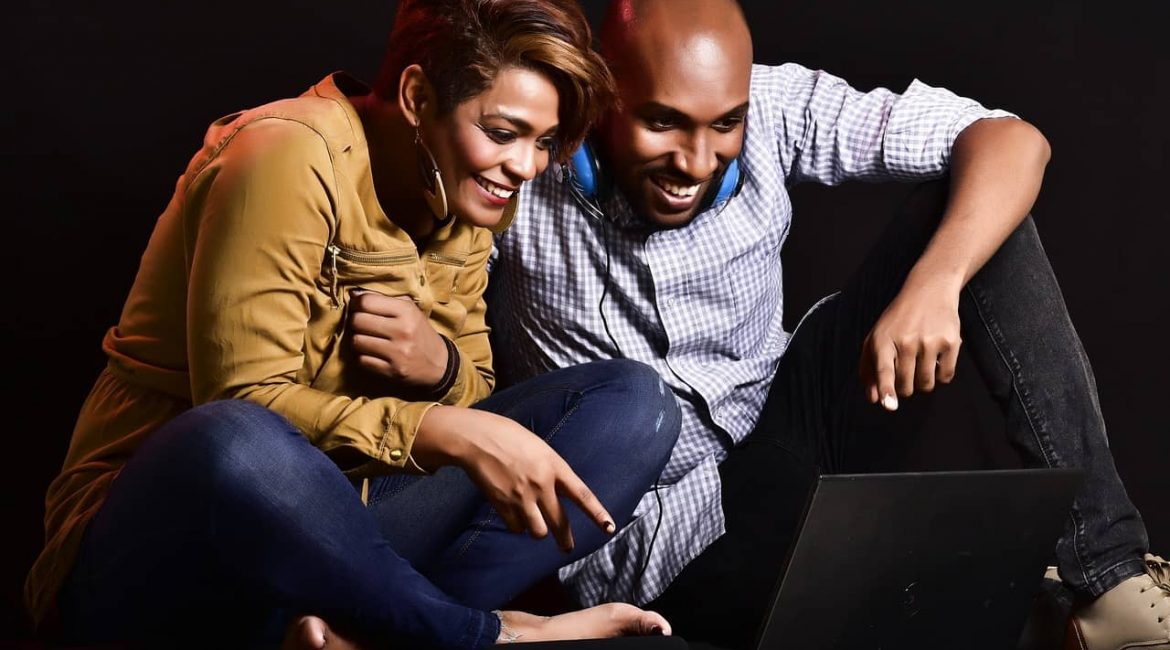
(914, 344)
(996, 169)
(517, 471)
(393, 338)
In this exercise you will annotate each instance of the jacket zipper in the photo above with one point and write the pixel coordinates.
(373, 259)
(447, 259)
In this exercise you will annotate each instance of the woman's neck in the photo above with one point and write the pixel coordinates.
(394, 166)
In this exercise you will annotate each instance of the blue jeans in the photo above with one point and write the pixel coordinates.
(1016, 330)
(227, 522)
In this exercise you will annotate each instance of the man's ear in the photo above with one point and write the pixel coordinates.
(416, 95)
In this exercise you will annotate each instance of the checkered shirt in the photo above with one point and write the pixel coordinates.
(702, 304)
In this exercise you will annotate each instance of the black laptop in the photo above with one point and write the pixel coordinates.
(939, 560)
(919, 560)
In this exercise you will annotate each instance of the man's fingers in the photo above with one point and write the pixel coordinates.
(558, 522)
(925, 366)
(884, 361)
(866, 370)
(573, 487)
(947, 362)
(904, 368)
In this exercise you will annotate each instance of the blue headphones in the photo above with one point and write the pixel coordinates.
(586, 180)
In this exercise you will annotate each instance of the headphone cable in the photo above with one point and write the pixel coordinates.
(594, 211)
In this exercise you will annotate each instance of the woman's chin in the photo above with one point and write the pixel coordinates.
(483, 218)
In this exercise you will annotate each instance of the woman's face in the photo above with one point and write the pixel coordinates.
(488, 145)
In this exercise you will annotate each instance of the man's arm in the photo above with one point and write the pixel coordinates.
(997, 166)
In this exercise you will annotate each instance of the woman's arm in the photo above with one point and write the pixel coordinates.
(257, 219)
(394, 339)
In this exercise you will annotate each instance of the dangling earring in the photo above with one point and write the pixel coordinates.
(428, 169)
(509, 214)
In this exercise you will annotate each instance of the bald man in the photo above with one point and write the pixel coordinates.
(659, 248)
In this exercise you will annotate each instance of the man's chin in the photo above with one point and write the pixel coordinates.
(666, 220)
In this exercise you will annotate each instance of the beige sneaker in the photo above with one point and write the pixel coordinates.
(1134, 614)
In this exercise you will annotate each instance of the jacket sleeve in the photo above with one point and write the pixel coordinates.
(476, 377)
(257, 219)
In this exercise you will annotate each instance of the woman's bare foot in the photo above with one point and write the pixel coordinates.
(602, 621)
(312, 633)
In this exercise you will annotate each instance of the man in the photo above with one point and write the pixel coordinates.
(645, 265)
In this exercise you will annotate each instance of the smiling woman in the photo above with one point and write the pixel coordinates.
(294, 429)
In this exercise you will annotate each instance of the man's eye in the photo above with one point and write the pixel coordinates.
(728, 125)
(500, 136)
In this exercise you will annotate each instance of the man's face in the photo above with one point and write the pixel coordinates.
(680, 124)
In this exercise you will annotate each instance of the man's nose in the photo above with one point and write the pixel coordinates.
(696, 158)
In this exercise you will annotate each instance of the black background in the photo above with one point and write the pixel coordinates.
(105, 102)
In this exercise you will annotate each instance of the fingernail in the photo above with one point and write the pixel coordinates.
(890, 402)
(610, 527)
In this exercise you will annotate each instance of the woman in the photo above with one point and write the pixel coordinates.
(302, 342)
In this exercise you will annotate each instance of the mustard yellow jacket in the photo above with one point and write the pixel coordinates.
(243, 293)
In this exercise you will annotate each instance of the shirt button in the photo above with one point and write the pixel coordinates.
(396, 454)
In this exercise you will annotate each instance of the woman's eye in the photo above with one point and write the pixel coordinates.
(500, 136)
(545, 144)
(656, 124)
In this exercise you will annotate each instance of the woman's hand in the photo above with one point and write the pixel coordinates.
(914, 344)
(517, 471)
(393, 338)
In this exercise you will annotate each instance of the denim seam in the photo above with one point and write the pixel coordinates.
(1104, 582)
(1024, 397)
(479, 527)
(386, 494)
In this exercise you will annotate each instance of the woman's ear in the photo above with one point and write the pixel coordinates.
(416, 95)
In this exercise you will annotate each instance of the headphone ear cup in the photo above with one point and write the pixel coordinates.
(730, 183)
(586, 171)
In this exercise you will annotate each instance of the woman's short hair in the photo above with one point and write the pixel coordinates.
(462, 44)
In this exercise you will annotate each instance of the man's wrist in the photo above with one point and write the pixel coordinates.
(923, 277)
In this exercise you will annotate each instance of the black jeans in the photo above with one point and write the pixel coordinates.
(1016, 330)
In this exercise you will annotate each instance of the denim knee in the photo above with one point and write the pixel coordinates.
(236, 441)
(647, 410)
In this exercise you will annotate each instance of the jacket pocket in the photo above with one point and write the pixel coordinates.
(442, 274)
(388, 272)
(392, 273)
